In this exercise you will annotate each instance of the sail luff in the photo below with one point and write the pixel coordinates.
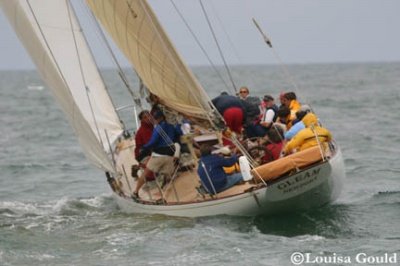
(138, 33)
(56, 45)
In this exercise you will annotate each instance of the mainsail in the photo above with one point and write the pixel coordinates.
(134, 27)
(51, 34)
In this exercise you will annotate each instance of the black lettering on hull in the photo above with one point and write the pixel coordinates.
(299, 181)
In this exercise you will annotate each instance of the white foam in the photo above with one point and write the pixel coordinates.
(306, 238)
(60, 204)
(20, 207)
(35, 87)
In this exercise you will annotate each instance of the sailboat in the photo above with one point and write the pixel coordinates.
(51, 33)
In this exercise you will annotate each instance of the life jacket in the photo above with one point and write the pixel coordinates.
(232, 169)
(262, 115)
(275, 109)
(307, 137)
(294, 106)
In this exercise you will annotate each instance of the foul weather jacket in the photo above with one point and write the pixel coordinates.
(307, 137)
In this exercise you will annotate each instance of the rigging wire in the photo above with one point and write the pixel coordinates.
(278, 58)
(251, 74)
(199, 43)
(103, 37)
(250, 159)
(218, 46)
(58, 66)
(78, 56)
(168, 53)
(47, 45)
(280, 61)
(235, 140)
(235, 52)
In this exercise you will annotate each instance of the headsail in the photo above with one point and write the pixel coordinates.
(51, 34)
(134, 27)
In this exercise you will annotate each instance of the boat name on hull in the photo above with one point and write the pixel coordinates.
(299, 181)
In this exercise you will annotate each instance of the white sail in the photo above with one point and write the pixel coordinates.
(136, 30)
(52, 36)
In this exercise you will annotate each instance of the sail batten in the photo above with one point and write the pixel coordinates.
(51, 34)
(137, 32)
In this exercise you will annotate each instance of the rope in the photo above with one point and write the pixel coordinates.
(319, 142)
(252, 163)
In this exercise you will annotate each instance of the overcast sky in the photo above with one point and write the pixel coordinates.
(302, 31)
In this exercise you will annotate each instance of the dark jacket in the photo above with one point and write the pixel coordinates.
(214, 166)
(224, 102)
(163, 138)
(252, 110)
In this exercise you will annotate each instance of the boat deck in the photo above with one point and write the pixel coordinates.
(183, 188)
(185, 184)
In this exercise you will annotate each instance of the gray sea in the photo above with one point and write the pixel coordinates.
(57, 209)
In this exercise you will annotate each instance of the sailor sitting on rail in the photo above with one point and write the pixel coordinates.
(307, 137)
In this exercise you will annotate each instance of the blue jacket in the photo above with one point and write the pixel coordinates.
(214, 165)
(294, 130)
(158, 138)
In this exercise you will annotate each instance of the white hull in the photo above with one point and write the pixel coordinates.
(309, 188)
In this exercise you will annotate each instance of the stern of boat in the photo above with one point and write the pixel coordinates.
(311, 187)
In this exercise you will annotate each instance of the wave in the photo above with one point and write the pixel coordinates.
(40, 166)
(331, 221)
(388, 192)
(386, 198)
(63, 206)
(35, 87)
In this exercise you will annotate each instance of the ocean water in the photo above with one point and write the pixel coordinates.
(57, 209)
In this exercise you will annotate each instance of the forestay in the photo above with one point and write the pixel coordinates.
(51, 34)
(136, 30)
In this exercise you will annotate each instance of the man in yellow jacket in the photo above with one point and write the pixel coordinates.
(290, 100)
(307, 137)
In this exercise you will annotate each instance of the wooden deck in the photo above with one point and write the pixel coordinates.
(182, 188)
